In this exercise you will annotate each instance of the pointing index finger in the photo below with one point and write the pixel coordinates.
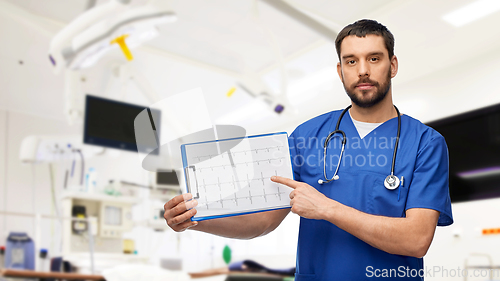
(286, 181)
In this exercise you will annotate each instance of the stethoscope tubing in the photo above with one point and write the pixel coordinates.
(397, 142)
(344, 140)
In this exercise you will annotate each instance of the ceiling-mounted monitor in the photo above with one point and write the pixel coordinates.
(473, 140)
(110, 123)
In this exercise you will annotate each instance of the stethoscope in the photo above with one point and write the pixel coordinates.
(391, 182)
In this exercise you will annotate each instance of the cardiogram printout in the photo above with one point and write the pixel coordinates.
(233, 177)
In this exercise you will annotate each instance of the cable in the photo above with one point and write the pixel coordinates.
(53, 206)
(73, 163)
(91, 246)
(58, 213)
(53, 190)
(136, 184)
(83, 165)
(66, 179)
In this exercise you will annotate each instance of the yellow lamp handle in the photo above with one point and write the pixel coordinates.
(120, 40)
(231, 92)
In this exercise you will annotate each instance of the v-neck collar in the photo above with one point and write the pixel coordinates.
(364, 128)
(352, 127)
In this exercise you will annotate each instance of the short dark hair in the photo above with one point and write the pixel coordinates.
(363, 27)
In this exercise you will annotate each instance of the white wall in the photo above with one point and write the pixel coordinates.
(462, 87)
(3, 159)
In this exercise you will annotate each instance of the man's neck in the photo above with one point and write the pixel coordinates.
(378, 113)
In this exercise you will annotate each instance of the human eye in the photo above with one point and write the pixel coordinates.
(374, 59)
(351, 62)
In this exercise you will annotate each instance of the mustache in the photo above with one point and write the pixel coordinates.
(365, 80)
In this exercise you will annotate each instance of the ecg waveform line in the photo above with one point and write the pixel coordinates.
(233, 182)
(242, 163)
(210, 156)
(236, 198)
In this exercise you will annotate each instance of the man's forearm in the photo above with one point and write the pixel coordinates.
(409, 236)
(245, 226)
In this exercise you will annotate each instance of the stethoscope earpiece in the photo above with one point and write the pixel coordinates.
(336, 177)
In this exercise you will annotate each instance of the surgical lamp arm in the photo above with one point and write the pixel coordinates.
(128, 71)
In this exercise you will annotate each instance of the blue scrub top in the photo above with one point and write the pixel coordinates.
(326, 252)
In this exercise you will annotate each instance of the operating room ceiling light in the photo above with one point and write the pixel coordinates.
(472, 12)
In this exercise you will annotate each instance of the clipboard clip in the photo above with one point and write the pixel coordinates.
(188, 183)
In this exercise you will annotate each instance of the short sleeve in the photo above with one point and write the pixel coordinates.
(292, 143)
(429, 187)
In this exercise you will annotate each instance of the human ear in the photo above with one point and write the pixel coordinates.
(394, 66)
(339, 71)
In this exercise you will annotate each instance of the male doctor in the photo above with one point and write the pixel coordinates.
(354, 227)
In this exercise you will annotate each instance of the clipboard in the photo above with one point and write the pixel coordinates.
(231, 177)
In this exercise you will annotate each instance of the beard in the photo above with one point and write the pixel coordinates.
(360, 100)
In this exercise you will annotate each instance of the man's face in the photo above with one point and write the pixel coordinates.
(366, 69)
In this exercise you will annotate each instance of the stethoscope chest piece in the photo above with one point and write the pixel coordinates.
(391, 182)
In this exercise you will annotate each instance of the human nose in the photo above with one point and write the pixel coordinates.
(363, 69)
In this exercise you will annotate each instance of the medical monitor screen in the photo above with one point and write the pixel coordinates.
(473, 140)
(112, 216)
(110, 123)
(164, 177)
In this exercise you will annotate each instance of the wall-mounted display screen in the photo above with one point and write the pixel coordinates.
(113, 216)
(110, 123)
(473, 140)
(166, 177)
